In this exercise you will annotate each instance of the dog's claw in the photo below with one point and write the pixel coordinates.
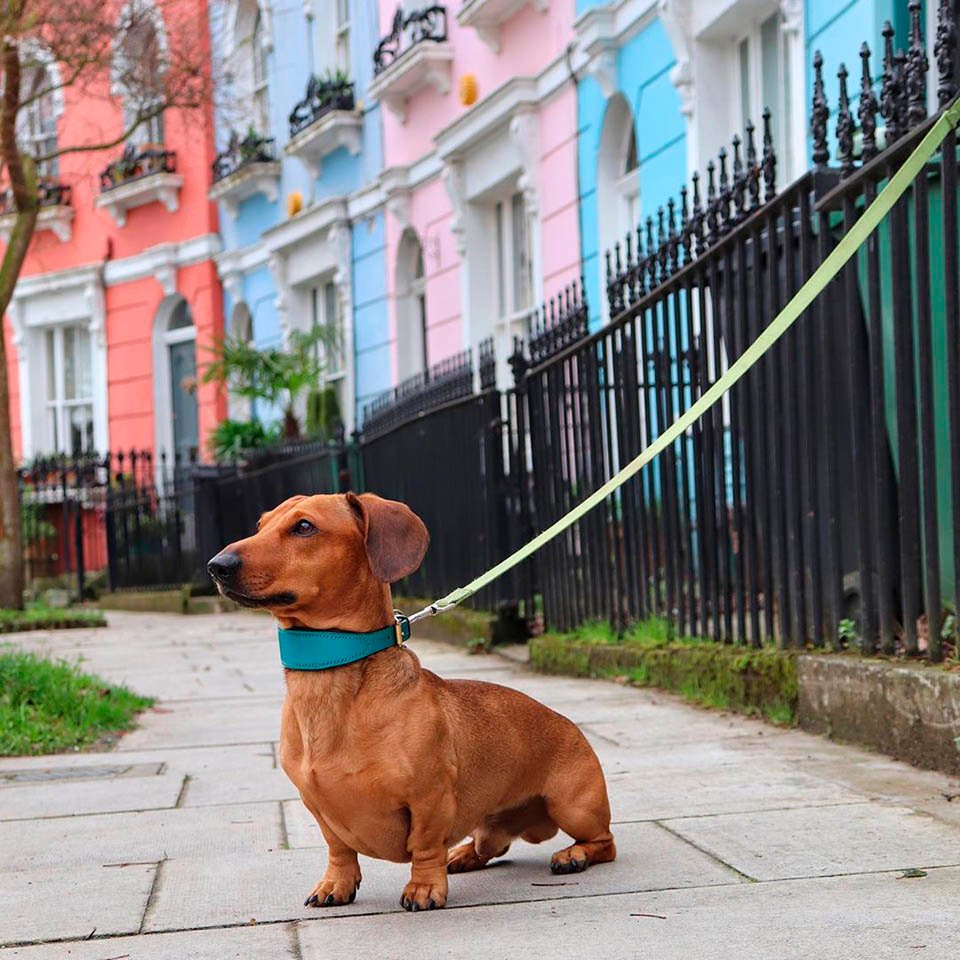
(329, 901)
(311, 901)
(431, 905)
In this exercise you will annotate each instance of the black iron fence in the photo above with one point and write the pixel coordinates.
(323, 95)
(813, 505)
(241, 152)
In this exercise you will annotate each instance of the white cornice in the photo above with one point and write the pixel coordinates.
(241, 259)
(146, 264)
(43, 284)
(309, 222)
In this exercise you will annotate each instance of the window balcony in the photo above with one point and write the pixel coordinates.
(139, 177)
(488, 16)
(55, 214)
(323, 121)
(247, 167)
(414, 55)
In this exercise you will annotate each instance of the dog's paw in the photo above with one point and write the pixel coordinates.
(423, 896)
(333, 893)
(569, 860)
(463, 858)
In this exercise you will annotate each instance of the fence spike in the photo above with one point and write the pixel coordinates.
(844, 126)
(686, 240)
(673, 260)
(916, 68)
(753, 167)
(945, 50)
(890, 87)
(726, 191)
(651, 256)
(819, 115)
(713, 204)
(769, 162)
(867, 109)
(739, 180)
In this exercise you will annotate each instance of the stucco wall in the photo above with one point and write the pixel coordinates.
(643, 72)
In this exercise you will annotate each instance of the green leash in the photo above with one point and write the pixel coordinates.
(805, 296)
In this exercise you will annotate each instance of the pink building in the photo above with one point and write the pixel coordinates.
(119, 296)
(480, 178)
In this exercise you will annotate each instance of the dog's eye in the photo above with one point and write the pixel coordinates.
(304, 528)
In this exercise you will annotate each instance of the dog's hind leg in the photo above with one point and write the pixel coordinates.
(577, 802)
(487, 842)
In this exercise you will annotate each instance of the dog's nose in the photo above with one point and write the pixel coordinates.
(224, 565)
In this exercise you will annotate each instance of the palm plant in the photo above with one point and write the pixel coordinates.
(276, 375)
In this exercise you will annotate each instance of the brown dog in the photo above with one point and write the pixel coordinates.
(392, 761)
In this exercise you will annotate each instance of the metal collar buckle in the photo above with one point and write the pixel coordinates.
(402, 627)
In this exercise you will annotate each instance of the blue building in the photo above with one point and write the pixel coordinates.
(664, 84)
(303, 235)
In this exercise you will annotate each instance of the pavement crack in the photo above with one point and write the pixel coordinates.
(151, 896)
(284, 834)
(181, 796)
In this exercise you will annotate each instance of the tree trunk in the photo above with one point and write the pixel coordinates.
(23, 184)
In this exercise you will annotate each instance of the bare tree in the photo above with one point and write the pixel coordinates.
(155, 56)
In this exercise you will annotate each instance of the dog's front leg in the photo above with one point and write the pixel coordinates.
(431, 820)
(341, 880)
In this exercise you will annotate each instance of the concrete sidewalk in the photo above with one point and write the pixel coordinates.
(737, 840)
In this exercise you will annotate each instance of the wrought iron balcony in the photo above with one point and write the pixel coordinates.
(322, 97)
(134, 164)
(138, 177)
(49, 193)
(56, 214)
(241, 153)
(418, 26)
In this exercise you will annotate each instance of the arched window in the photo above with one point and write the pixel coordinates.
(618, 179)
(37, 119)
(240, 328)
(139, 64)
(260, 91)
(411, 293)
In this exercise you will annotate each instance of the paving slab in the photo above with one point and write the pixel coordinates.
(225, 890)
(823, 841)
(241, 786)
(53, 903)
(270, 942)
(110, 794)
(69, 842)
(206, 722)
(649, 795)
(859, 918)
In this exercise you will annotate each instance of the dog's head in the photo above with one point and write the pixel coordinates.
(314, 558)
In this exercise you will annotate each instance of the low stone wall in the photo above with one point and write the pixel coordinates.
(909, 711)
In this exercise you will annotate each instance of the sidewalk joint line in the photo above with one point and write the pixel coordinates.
(708, 853)
(181, 796)
(151, 895)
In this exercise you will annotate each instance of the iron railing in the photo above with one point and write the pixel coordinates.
(407, 30)
(450, 379)
(240, 153)
(322, 97)
(135, 164)
(49, 194)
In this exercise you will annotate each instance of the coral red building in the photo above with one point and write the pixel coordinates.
(119, 296)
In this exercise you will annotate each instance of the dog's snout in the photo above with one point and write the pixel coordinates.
(224, 566)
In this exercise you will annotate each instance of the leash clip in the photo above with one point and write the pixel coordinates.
(402, 627)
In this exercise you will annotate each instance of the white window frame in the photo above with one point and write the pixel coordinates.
(411, 307)
(163, 339)
(514, 298)
(782, 108)
(30, 125)
(149, 131)
(259, 76)
(342, 36)
(58, 407)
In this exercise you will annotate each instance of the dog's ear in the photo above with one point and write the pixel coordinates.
(395, 536)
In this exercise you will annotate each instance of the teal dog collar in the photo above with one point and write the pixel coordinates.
(324, 649)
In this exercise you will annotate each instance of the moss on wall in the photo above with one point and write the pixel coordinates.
(753, 681)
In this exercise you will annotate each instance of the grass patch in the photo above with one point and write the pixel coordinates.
(39, 617)
(761, 682)
(47, 707)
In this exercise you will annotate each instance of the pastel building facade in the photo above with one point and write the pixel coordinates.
(119, 291)
(303, 233)
(479, 121)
